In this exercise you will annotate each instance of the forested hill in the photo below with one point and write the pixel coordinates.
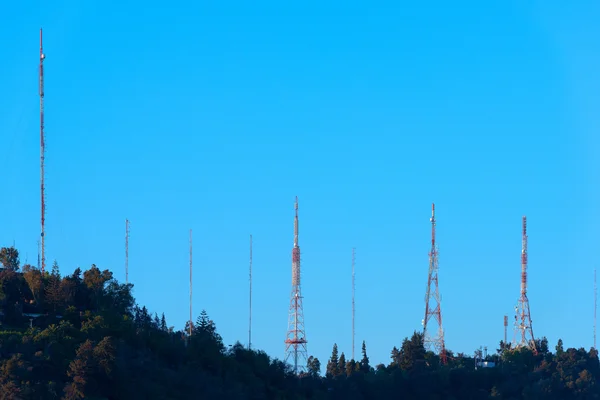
(82, 336)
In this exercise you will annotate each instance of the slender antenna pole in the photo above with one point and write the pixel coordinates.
(505, 329)
(126, 251)
(190, 282)
(250, 318)
(595, 306)
(42, 152)
(353, 309)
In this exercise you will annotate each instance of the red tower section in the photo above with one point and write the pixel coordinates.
(433, 302)
(523, 328)
(295, 342)
(42, 156)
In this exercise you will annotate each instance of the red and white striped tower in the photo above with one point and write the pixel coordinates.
(433, 300)
(295, 342)
(523, 328)
(42, 156)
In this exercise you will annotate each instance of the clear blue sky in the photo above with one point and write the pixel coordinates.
(214, 115)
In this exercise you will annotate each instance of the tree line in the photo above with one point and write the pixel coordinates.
(82, 336)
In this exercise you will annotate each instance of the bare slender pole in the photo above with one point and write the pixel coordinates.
(353, 309)
(190, 327)
(250, 315)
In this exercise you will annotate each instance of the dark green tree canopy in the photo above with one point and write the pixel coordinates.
(9, 257)
(82, 336)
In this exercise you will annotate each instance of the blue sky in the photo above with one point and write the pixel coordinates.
(214, 116)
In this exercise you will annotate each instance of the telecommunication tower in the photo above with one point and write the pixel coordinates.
(523, 327)
(433, 301)
(42, 154)
(505, 329)
(295, 342)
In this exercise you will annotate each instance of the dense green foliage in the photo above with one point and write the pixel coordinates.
(82, 336)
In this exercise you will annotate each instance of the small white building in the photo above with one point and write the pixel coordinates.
(485, 364)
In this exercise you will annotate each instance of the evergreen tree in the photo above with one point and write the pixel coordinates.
(76, 357)
(559, 348)
(412, 350)
(9, 257)
(341, 364)
(163, 323)
(364, 363)
(395, 356)
(332, 364)
(351, 367)
(54, 292)
(313, 366)
(206, 328)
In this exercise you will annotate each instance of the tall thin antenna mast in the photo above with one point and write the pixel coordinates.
(505, 329)
(353, 309)
(126, 251)
(250, 314)
(190, 282)
(523, 326)
(42, 153)
(595, 306)
(295, 342)
(433, 300)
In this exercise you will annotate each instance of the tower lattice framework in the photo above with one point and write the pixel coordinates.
(42, 157)
(295, 342)
(523, 327)
(433, 302)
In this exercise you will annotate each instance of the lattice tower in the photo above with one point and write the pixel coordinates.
(433, 301)
(295, 342)
(523, 327)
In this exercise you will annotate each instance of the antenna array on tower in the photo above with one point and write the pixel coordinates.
(433, 301)
(523, 327)
(295, 342)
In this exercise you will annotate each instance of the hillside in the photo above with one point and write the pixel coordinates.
(83, 336)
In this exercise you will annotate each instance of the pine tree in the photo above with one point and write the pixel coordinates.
(313, 365)
(341, 364)
(412, 350)
(395, 356)
(350, 367)
(54, 292)
(163, 323)
(206, 329)
(332, 364)
(364, 363)
(559, 348)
